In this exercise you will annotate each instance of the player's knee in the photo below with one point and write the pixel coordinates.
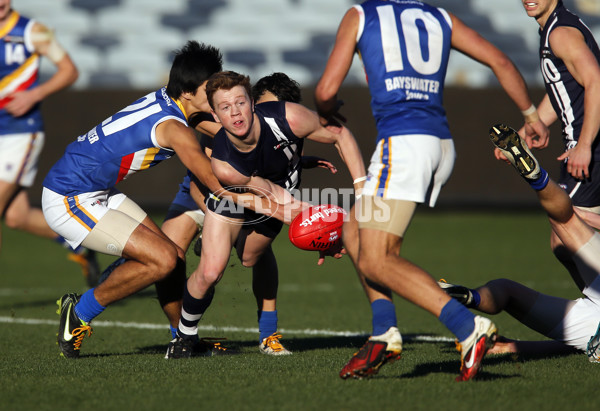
(250, 260)
(369, 265)
(209, 277)
(14, 218)
(164, 262)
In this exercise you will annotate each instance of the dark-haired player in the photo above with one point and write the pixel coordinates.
(80, 201)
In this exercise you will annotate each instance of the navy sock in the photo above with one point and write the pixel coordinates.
(267, 324)
(384, 316)
(541, 182)
(88, 307)
(191, 312)
(459, 320)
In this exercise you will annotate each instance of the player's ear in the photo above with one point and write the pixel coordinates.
(186, 95)
(215, 116)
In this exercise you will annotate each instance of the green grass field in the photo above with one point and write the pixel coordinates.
(323, 316)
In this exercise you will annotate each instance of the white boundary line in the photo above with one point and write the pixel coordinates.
(164, 327)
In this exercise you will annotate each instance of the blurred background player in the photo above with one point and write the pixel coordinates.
(24, 42)
(413, 158)
(572, 324)
(258, 149)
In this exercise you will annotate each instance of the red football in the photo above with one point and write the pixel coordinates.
(318, 227)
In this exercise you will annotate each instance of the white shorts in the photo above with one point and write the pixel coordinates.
(581, 321)
(19, 155)
(74, 218)
(411, 168)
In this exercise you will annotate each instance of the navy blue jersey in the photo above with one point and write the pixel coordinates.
(276, 156)
(567, 96)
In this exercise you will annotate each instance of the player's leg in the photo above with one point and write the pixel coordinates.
(475, 334)
(19, 155)
(219, 235)
(385, 343)
(20, 215)
(180, 229)
(113, 224)
(7, 192)
(18, 167)
(570, 229)
(254, 249)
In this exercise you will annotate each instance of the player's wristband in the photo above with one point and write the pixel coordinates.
(359, 179)
(531, 115)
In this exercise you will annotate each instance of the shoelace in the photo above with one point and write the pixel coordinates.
(80, 333)
(213, 342)
(273, 342)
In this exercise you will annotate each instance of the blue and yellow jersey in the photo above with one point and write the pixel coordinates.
(19, 68)
(120, 146)
(404, 46)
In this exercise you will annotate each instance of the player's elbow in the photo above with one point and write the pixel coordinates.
(324, 92)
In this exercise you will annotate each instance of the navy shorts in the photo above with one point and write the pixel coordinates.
(583, 193)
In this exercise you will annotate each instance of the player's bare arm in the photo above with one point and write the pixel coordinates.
(272, 199)
(337, 67)
(568, 44)
(46, 45)
(471, 43)
(183, 141)
(305, 123)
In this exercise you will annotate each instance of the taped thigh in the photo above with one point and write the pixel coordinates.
(384, 214)
(111, 233)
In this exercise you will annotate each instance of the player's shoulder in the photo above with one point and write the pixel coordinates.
(271, 109)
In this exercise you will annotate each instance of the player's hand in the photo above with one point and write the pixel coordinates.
(500, 156)
(333, 119)
(314, 161)
(21, 102)
(327, 165)
(335, 251)
(536, 134)
(578, 160)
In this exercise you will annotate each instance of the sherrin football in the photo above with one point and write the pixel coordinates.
(318, 227)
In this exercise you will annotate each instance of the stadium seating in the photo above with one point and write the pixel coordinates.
(128, 43)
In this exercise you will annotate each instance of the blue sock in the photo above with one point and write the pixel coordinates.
(267, 324)
(173, 331)
(476, 298)
(459, 320)
(88, 307)
(541, 182)
(384, 316)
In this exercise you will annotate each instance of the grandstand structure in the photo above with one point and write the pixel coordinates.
(128, 43)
